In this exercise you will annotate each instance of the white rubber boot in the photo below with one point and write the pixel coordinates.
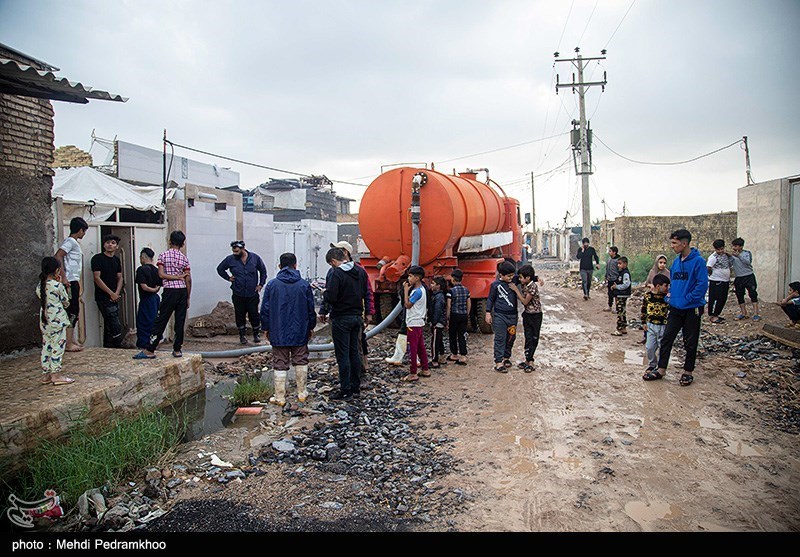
(279, 382)
(301, 376)
(399, 351)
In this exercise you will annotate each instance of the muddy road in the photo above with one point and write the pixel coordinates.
(581, 444)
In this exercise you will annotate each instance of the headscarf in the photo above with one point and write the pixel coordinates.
(654, 271)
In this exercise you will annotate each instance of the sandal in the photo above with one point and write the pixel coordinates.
(740, 317)
(177, 354)
(652, 375)
(451, 358)
(424, 373)
(756, 318)
(616, 334)
(63, 381)
(460, 363)
(500, 368)
(507, 363)
(142, 356)
(686, 379)
(435, 365)
(45, 380)
(410, 377)
(527, 368)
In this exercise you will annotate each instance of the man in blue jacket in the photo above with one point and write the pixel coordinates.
(247, 277)
(288, 319)
(687, 299)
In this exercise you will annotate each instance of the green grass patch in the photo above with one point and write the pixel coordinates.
(88, 459)
(639, 266)
(250, 390)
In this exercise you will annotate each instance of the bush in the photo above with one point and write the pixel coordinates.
(250, 390)
(87, 459)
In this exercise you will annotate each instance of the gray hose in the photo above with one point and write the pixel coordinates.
(329, 346)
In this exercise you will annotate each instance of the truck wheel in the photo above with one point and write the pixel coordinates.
(480, 317)
(386, 303)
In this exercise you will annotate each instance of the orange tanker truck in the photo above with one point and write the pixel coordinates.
(463, 223)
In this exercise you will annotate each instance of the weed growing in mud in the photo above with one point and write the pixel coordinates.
(90, 459)
(249, 390)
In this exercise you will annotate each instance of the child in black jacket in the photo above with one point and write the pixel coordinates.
(438, 315)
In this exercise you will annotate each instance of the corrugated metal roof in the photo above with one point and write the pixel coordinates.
(27, 81)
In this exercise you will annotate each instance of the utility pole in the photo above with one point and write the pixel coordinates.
(584, 142)
(535, 242)
(747, 161)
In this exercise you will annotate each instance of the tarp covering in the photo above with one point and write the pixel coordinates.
(86, 186)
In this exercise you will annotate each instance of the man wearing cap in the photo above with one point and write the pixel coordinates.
(369, 310)
(248, 274)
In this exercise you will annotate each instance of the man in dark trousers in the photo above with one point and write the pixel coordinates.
(687, 299)
(612, 273)
(176, 276)
(585, 254)
(369, 310)
(288, 319)
(107, 271)
(248, 275)
(346, 293)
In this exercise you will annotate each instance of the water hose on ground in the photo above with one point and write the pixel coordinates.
(419, 180)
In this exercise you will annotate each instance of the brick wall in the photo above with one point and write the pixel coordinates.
(26, 154)
(650, 235)
(69, 156)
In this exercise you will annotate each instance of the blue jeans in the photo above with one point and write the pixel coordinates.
(145, 318)
(346, 333)
(505, 333)
(654, 335)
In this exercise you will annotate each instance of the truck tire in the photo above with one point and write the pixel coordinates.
(480, 316)
(386, 303)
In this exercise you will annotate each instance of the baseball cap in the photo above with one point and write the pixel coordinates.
(343, 245)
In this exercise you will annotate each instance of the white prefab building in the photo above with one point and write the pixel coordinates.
(309, 240)
(85, 192)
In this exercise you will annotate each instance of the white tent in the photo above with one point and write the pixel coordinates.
(98, 195)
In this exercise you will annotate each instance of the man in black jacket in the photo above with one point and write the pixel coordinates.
(585, 255)
(346, 292)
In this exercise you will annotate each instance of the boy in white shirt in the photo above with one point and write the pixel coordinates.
(71, 257)
(719, 281)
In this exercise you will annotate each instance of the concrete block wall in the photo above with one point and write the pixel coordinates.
(763, 223)
(26, 154)
(650, 235)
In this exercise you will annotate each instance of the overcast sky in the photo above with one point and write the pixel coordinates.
(341, 87)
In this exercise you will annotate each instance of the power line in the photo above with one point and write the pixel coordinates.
(565, 25)
(587, 22)
(738, 141)
(218, 156)
(503, 148)
(618, 26)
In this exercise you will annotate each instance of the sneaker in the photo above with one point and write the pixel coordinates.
(341, 395)
(257, 338)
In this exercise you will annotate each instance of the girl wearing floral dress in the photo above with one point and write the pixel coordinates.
(53, 321)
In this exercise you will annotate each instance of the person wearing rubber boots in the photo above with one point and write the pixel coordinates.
(248, 274)
(288, 320)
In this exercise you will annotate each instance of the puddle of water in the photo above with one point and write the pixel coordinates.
(207, 411)
(525, 466)
(631, 357)
(712, 527)
(561, 454)
(519, 441)
(707, 423)
(645, 514)
(562, 327)
(740, 449)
